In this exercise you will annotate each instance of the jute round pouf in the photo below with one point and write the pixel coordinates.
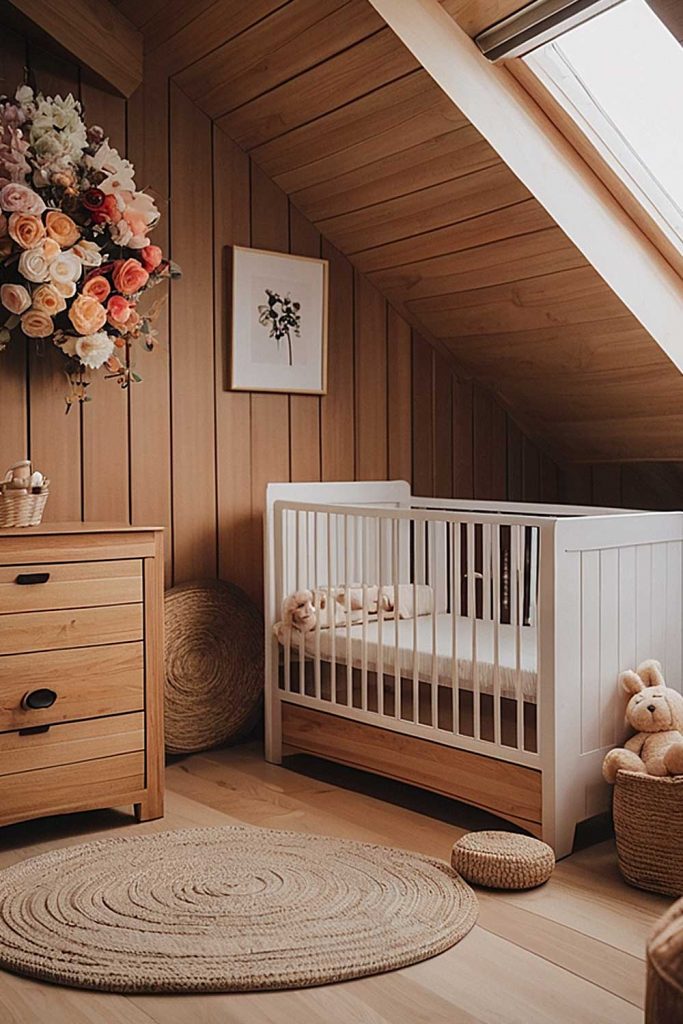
(648, 827)
(214, 665)
(503, 860)
(226, 910)
(664, 1000)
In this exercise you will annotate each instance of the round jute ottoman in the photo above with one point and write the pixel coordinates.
(664, 1000)
(503, 860)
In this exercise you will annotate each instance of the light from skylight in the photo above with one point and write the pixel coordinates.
(620, 76)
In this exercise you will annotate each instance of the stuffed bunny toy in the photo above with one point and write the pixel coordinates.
(656, 713)
(298, 612)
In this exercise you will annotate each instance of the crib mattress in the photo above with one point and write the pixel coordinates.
(437, 656)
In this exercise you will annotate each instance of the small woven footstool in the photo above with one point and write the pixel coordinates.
(664, 1001)
(503, 860)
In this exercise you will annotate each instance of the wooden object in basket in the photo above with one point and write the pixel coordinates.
(81, 670)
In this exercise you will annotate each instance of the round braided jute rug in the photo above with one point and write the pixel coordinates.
(226, 909)
(213, 651)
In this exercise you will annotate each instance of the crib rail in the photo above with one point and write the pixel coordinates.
(436, 620)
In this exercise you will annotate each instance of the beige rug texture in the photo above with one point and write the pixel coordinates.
(228, 909)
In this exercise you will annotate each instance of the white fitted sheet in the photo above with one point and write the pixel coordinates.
(439, 666)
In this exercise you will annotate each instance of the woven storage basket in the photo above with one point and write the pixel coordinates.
(648, 824)
(22, 509)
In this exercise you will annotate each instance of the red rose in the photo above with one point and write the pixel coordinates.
(118, 310)
(97, 287)
(107, 212)
(151, 257)
(93, 199)
(129, 276)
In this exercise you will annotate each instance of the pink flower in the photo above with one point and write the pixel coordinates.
(129, 276)
(151, 257)
(118, 310)
(138, 216)
(18, 198)
(15, 298)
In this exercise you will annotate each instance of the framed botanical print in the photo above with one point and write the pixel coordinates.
(279, 322)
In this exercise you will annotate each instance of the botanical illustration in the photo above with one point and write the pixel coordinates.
(282, 316)
(75, 252)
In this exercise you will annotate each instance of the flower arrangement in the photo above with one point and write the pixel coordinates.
(75, 253)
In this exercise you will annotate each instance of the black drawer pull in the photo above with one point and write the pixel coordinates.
(38, 699)
(27, 579)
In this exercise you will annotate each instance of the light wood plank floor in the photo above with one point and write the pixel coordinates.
(570, 952)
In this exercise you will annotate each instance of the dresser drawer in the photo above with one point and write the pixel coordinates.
(104, 782)
(24, 588)
(71, 743)
(75, 627)
(89, 682)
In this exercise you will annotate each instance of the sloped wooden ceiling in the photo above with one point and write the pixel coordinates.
(335, 109)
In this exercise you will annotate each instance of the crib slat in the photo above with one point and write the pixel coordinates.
(495, 573)
(395, 578)
(316, 605)
(364, 627)
(347, 603)
(435, 670)
(331, 559)
(380, 619)
(472, 615)
(455, 611)
(518, 584)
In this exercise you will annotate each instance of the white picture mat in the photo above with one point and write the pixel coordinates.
(259, 362)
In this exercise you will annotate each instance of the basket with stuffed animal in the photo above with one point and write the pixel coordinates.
(647, 773)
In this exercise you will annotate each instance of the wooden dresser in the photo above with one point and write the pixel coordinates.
(81, 670)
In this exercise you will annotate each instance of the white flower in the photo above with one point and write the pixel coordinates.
(24, 96)
(65, 288)
(138, 216)
(33, 266)
(88, 253)
(119, 171)
(94, 349)
(65, 269)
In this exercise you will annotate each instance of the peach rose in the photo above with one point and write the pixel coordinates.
(18, 198)
(50, 249)
(15, 298)
(87, 314)
(118, 310)
(61, 227)
(98, 287)
(65, 288)
(36, 324)
(26, 230)
(48, 300)
(129, 276)
(151, 257)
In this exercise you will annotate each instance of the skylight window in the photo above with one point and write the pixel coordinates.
(619, 76)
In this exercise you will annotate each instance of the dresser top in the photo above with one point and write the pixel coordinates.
(53, 529)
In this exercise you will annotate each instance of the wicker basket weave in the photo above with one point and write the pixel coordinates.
(648, 824)
(20, 509)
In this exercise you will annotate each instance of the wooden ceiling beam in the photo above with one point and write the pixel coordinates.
(92, 32)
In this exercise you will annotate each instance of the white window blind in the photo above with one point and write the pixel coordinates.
(537, 23)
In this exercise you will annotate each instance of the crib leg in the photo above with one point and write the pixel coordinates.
(561, 836)
(273, 712)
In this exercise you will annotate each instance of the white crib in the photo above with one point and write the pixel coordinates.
(500, 689)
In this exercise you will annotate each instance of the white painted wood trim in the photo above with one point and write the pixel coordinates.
(534, 149)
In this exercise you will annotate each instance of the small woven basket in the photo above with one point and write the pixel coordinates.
(20, 509)
(648, 824)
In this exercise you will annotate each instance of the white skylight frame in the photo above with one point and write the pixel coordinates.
(554, 70)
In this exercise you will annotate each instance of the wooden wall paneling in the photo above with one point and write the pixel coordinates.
(423, 417)
(607, 485)
(399, 390)
(150, 402)
(233, 408)
(531, 471)
(269, 413)
(443, 428)
(55, 438)
(304, 410)
(192, 351)
(515, 449)
(490, 447)
(576, 484)
(14, 443)
(549, 481)
(106, 493)
(275, 50)
(463, 439)
(370, 381)
(376, 61)
(337, 421)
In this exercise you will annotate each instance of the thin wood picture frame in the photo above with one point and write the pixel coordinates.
(278, 321)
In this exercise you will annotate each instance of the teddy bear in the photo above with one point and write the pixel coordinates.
(656, 713)
(298, 612)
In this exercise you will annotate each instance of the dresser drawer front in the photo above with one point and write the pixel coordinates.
(75, 627)
(71, 743)
(107, 782)
(89, 682)
(23, 588)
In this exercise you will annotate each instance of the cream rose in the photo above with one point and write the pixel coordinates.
(18, 198)
(36, 324)
(87, 314)
(33, 266)
(50, 249)
(15, 298)
(65, 288)
(26, 230)
(61, 227)
(48, 300)
(94, 349)
(65, 268)
(88, 253)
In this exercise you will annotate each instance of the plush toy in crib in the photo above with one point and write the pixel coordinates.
(298, 613)
(656, 713)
